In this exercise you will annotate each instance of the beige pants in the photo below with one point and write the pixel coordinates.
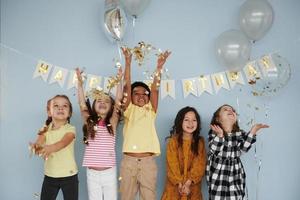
(138, 175)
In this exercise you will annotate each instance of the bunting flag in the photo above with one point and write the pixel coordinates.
(43, 70)
(189, 86)
(93, 81)
(235, 78)
(106, 89)
(195, 86)
(59, 75)
(267, 65)
(220, 81)
(204, 85)
(73, 80)
(252, 72)
(167, 88)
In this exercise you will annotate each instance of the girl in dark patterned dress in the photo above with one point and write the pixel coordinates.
(224, 172)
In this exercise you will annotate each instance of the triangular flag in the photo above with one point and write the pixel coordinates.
(204, 85)
(42, 70)
(219, 81)
(235, 78)
(189, 87)
(93, 81)
(58, 75)
(167, 88)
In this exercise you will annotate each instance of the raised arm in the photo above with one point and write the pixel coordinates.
(127, 77)
(80, 95)
(156, 81)
(117, 107)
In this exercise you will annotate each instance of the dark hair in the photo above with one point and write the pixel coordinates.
(49, 119)
(215, 120)
(93, 119)
(178, 131)
(140, 84)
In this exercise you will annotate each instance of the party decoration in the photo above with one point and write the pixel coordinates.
(235, 78)
(42, 70)
(277, 73)
(233, 49)
(135, 7)
(167, 88)
(189, 87)
(256, 18)
(93, 81)
(204, 84)
(114, 21)
(59, 76)
(219, 81)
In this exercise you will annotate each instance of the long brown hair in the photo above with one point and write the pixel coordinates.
(93, 120)
(44, 129)
(215, 120)
(178, 131)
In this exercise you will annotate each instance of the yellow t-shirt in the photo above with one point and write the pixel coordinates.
(139, 134)
(61, 163)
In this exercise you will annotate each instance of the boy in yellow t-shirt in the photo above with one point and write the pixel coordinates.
(138, 167)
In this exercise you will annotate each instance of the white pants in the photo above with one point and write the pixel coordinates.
(102, 185)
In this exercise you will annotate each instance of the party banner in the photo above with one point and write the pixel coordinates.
(93, 81)
(167, 88)
(235, 78)
(252, 72)
(59, 75)
(43, 70)
(204, 85)
(189, 86)
(219, 81)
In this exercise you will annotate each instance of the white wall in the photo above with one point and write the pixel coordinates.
(69, 34)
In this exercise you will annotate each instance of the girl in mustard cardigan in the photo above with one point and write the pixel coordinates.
(186, 157)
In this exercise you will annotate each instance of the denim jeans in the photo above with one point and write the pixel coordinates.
(102, 185)
(68, 185)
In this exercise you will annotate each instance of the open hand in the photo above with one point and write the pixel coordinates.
(162, 59)
(257, 127)
(217, 129)
(127, 54)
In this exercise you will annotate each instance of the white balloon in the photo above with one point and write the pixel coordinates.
(256, 18)
(115, 23)
(135, 7)
(233, 49)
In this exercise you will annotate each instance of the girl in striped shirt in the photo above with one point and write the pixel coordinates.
(100, 124)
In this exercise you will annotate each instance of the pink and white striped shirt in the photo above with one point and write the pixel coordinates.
(100, 152)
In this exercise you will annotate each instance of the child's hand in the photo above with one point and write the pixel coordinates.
(257, 127)
(46, 151)
(186, 187)
(127, 54)
(180, 188)
(162, 59)
(79, 77)
(35, 148)
(217, 129)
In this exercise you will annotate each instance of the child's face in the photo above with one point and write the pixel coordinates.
(103, 105)
(59, 109)
(189, 124)
(227, 114)
(139, 96)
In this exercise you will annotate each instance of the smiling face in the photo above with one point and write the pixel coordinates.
(59, 108)
(227, 114)
(140, 96)
(189, 123)
(102, 105)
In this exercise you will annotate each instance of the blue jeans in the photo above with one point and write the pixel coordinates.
(68, 185)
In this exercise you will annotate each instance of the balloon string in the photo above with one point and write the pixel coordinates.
(133, 28)
(119, 50)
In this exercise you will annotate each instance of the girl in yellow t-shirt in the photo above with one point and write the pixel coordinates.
(55, 143)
